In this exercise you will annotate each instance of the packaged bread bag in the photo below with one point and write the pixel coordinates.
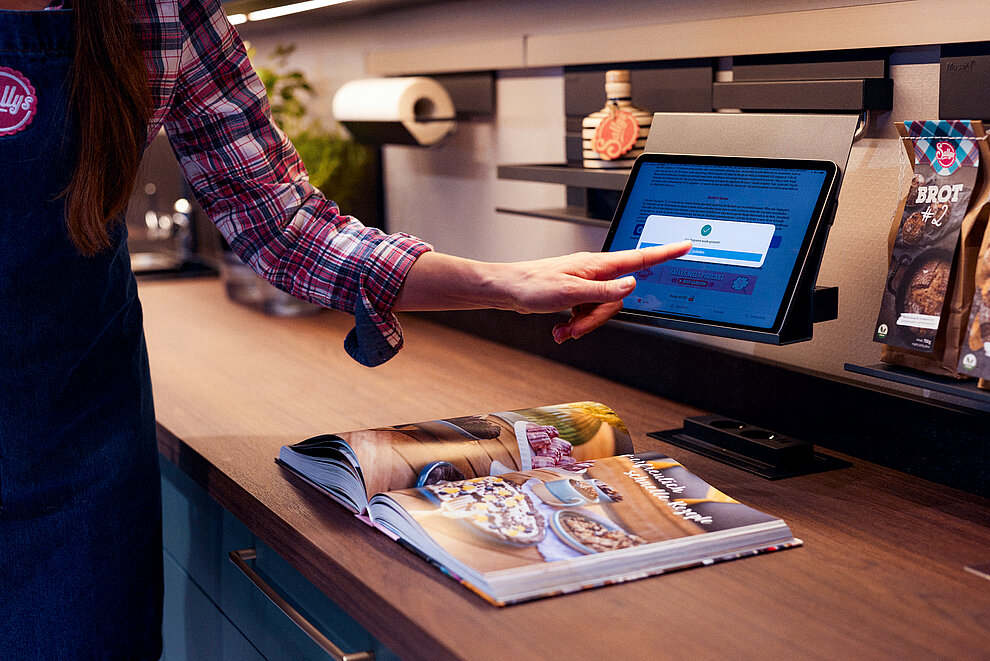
(975, 356)
(934, 246)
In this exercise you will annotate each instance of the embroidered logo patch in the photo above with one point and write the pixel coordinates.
(18, 101)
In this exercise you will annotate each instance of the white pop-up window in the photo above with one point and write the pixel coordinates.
(714, 241)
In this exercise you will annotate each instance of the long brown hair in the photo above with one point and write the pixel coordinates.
(111, 98)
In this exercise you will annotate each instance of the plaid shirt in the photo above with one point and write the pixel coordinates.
(251, 182)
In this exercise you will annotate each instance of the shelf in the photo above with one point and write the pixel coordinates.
(569, 175)
(965, 391)
(567, 214)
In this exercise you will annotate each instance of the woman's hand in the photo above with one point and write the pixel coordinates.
(590, 285)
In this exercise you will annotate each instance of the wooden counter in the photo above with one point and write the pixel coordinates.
(881, 574)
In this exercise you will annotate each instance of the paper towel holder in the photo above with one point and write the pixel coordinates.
(404, 110)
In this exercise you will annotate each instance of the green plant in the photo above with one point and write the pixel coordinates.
(337, 165)
(283, 88)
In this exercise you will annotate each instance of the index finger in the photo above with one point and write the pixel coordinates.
(614, 264)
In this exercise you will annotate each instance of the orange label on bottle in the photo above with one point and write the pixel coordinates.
(616, 135)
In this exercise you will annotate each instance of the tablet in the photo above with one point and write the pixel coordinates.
(753, 223)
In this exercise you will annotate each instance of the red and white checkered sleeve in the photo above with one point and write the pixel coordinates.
(252, 184)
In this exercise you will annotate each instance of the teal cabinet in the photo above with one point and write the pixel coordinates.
(194, 627)
(214, 611)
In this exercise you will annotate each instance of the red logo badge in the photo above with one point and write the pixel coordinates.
(616, 134)
(18, 101)
(945, 154)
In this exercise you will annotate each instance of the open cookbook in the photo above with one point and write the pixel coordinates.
(535, 502)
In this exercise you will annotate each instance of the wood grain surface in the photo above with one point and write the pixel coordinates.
(881, 574)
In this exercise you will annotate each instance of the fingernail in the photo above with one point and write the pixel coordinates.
(559, 335)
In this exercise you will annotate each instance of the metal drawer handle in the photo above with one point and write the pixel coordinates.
(241, 559)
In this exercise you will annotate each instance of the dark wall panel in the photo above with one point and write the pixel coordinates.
(811, 66)
(964, 81)
(660, 87)
(807, 95)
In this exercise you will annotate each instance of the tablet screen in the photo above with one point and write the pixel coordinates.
(751, 222)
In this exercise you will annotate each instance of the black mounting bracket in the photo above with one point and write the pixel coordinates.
(753, 449)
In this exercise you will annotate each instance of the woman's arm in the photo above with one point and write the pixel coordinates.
(589, 284)
(254, 187)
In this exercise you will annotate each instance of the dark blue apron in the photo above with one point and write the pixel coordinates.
(80, 512)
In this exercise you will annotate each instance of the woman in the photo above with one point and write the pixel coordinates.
(83, 89)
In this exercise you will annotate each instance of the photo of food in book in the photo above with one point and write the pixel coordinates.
(415, 454)
(508, 521)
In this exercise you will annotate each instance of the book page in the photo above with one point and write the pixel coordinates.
(565, 435)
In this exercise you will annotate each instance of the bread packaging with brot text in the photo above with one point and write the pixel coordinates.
(934, 245)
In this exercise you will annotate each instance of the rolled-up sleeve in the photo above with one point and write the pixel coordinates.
(252, 184)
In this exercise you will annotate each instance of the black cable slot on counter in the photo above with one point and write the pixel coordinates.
(750, 448)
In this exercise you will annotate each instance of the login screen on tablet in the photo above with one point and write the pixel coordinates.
(750, 221)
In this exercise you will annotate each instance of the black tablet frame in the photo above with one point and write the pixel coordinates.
(796, 312)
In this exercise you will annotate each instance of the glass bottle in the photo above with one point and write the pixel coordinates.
(615, 135)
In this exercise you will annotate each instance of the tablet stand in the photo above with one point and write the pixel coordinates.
(822, 137)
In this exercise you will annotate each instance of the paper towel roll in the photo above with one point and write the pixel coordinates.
(414, 110)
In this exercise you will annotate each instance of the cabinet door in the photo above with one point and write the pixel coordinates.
(195, 531)
(272, 631)
(193, 628)
(199, 536)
